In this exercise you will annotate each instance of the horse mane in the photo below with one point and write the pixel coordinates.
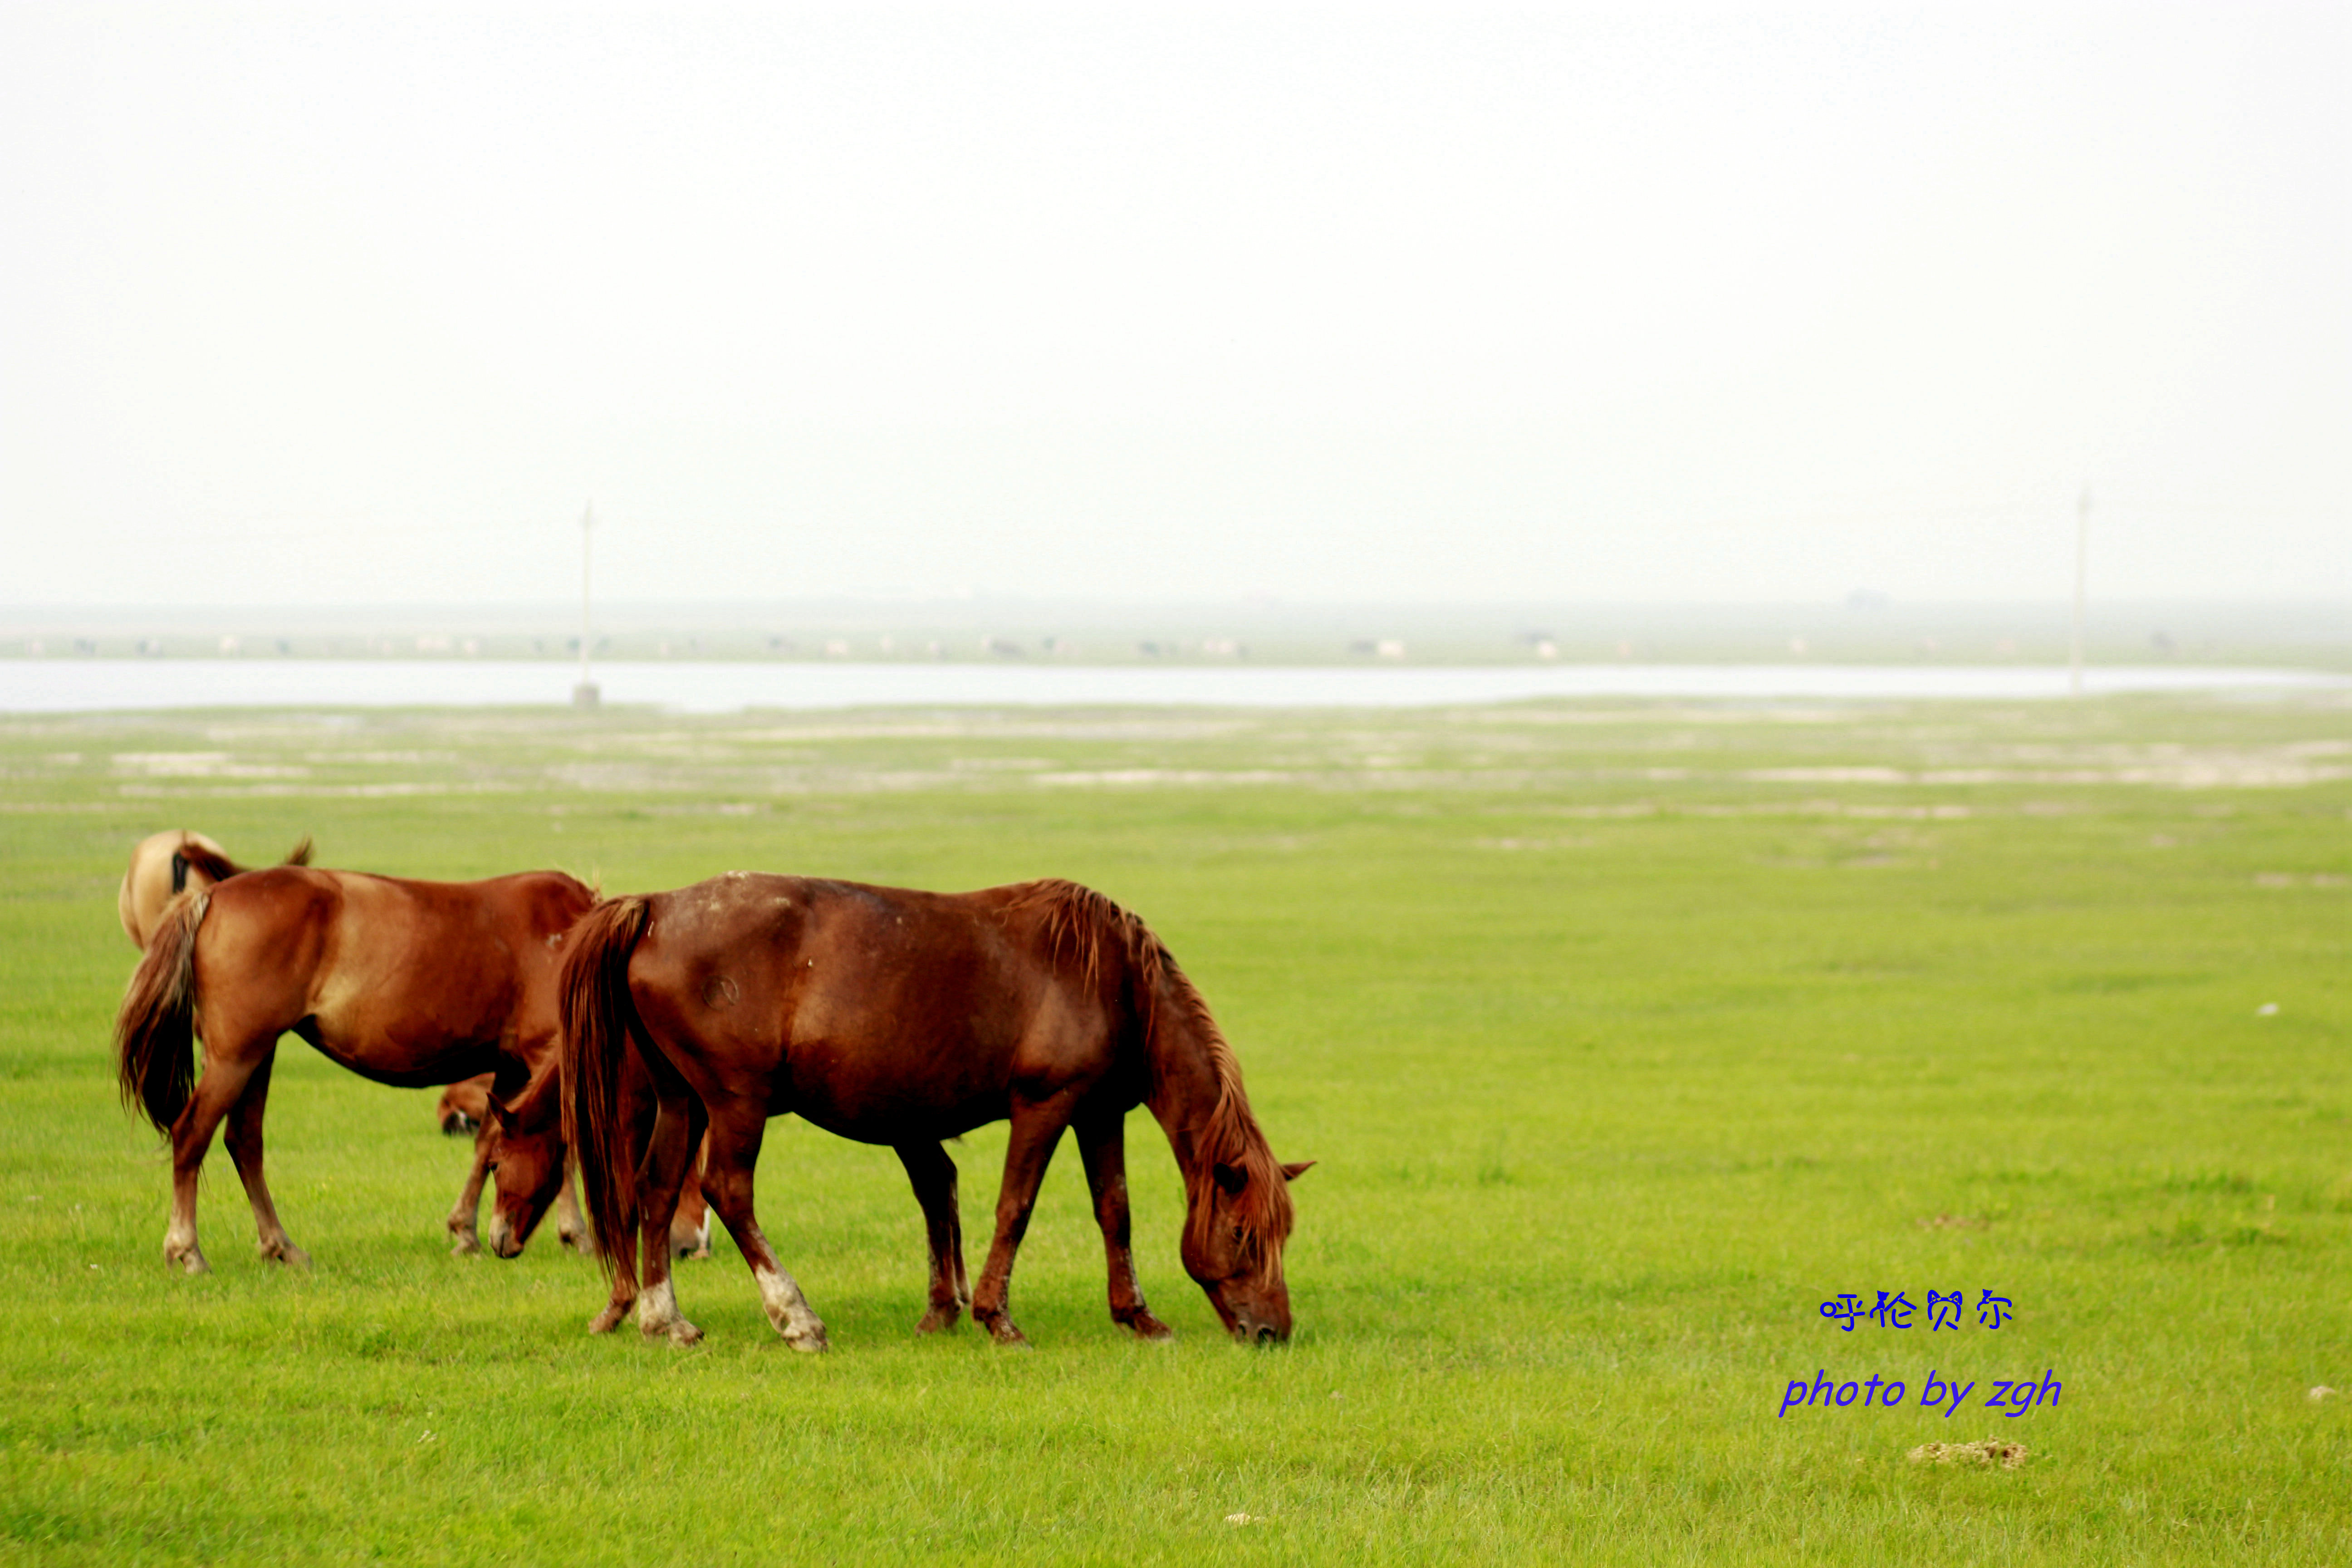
(1095, 932)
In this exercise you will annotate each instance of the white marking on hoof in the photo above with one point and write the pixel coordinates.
(180, 1249)
(657, 1316)
(788, 1309)
(285, 1252)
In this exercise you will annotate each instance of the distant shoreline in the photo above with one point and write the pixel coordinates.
(29, 686)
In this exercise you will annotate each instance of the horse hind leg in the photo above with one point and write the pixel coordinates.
(658, 1179)
(1102, 1146)
(933, 1178)
(226, 1077)
(244, 1139)
(735, 1137)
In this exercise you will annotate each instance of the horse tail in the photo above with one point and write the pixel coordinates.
(598, 1018)
(154, 1034)
(190, 856)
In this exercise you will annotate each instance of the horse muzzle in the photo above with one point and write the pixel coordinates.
(504, 1239)
(1252, 1330)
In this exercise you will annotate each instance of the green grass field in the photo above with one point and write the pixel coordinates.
(1625, 1035)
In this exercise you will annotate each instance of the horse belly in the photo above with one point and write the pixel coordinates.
(404, 1030)
(895, 1094)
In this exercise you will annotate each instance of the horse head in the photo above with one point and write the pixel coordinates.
(1237, 1219)
(527, 1162)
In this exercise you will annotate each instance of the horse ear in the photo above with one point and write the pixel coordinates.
(1291, 1173)
(1232, 1178)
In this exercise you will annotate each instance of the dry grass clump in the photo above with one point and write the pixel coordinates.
(2007, 1455)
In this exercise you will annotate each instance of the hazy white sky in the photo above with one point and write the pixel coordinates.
(319, 304)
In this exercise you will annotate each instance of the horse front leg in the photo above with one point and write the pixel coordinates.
(464, 1241)
(733, 1153)
(1102, 1144)
(933, 1176)
(570, 1224)
(1036, 1128)
(690, 1228)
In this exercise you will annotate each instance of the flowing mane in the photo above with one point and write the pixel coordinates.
(1093, 931)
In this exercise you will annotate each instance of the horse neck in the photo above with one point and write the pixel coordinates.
(1192, 1074)
(1184, 1087)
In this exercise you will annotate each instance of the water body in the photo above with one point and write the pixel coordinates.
(82, 685)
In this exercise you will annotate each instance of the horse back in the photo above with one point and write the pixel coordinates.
(381, 963)
(877, 1013)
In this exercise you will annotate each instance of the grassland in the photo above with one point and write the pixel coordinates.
(1625, 1036)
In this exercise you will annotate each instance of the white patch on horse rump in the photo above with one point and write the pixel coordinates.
(788, 1309)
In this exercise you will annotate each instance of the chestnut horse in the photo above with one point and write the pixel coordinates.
(165, 865)
(901, 1017)
(410, 983)
(528, 1183)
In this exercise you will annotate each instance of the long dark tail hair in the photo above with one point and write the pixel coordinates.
(192, 855)
(155, 1032)
(598, 1017)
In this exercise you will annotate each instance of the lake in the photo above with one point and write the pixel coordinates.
(72, 686)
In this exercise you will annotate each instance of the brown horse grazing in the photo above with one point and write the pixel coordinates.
(903, 1018)
(530, 1181)
(467, 1108)
(411, 983)
(165, 865)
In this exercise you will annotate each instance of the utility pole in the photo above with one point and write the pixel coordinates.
(584, 695)
(2082, 570)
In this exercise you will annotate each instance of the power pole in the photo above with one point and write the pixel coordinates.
(2082, 571)
(584, 695)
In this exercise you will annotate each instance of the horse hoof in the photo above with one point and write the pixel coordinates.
(809, 1341)
(289, 1254)
(464, 1243)
(1144, 1326)
(187, 1259)
(605, 1321)
(682, 1333)
(938, 1320)
(1004, 1332)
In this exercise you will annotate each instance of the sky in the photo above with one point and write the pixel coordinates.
(339, 304)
